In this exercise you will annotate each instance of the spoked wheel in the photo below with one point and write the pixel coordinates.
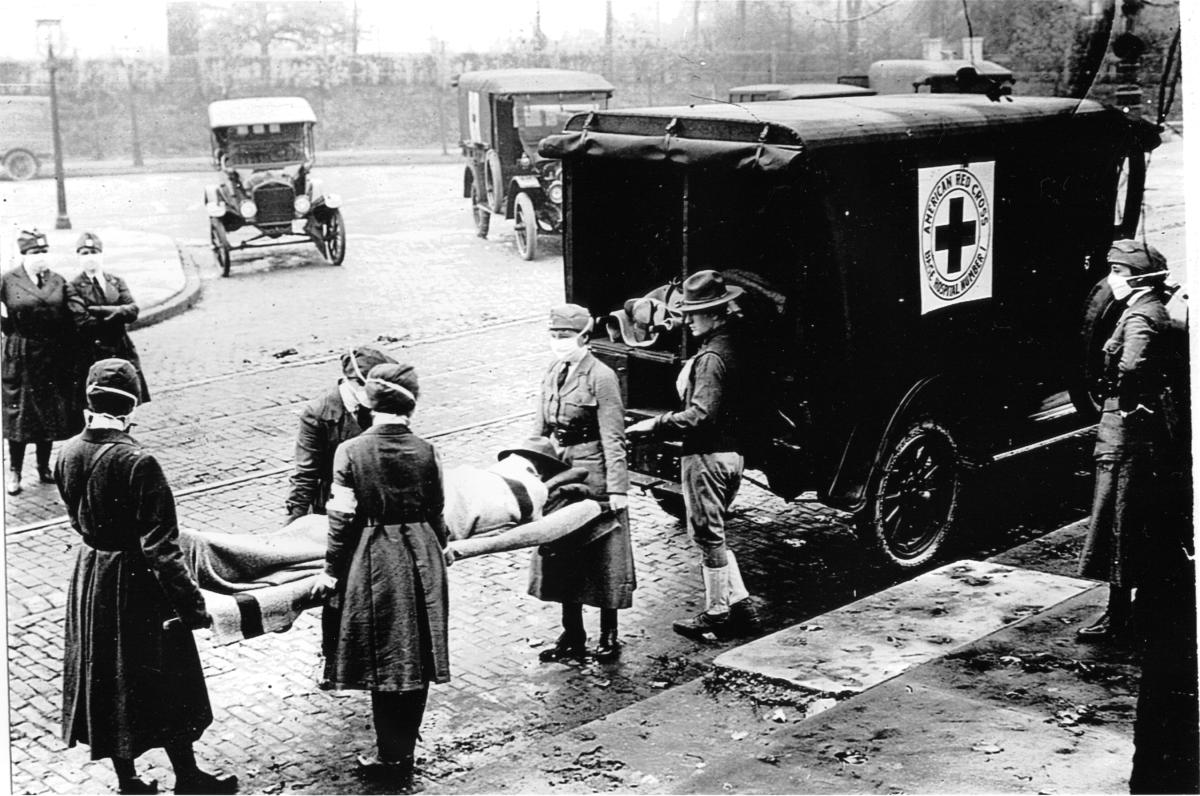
(21, 164)
(220, 245)
(1100, 317)
(912, 513)
(483, 216)
(335, 238)
(526, 227)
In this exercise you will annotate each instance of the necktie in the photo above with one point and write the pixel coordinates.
(40, 281)
(562, 374)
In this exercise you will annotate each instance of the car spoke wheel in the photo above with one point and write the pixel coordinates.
(220, 246)
(913, 510)
(493, 179)
(335, 238)
(1100, 317)
(21, 164)
(483, 216)
(526, 227)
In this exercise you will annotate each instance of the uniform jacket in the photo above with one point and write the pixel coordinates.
(128, 685)
(714, 414)
(100, 337)
(588, 413)
(387, 556)
(325, 423)
(1134, 368)
(43, 398)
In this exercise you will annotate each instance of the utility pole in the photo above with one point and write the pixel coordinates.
(51, 29)
(1129, 48)
(354, 29)
(135, 135)
(608, 38)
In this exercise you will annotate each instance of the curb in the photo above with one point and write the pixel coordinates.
(178, 303)
(196, 166)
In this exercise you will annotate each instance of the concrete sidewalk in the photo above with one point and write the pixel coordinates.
(203, 163)
(163, 282)
(967, 679)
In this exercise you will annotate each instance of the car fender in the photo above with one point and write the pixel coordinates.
(217, 202)
(524, 183)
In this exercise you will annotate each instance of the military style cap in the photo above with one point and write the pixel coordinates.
(113, 377)
(537, 449)
(32, 241)
(570, 317)
(706, 289)
(392, 387)
(89, 242)
(1140, 258)
(357, 362)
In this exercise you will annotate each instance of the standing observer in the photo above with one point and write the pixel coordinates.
(580, 408)
(102, 307)
(40, 383)
(132, 679)
(712, 423)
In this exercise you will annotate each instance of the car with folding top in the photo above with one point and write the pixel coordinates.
(265, 151)
(762, 92)
(503, 113)
(916, 268)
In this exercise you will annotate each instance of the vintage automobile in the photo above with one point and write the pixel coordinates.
(24, 135)
(503, 113)
(263, 147)
(762, 92)
(946, 76)
(915, 267)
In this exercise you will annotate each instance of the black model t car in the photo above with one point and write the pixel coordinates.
(263, 147)
(503, 113)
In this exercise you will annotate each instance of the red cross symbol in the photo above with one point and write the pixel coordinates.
(952, 237)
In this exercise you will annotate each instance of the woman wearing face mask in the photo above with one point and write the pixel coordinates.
(102, 308)
(40, 383)
(580, 408)
(1130, 434)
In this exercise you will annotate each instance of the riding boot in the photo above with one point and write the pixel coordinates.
(609, 648)
(45, 474)
(572, 643)
(713, 622)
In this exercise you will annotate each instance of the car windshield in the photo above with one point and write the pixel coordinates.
(536, 117)
(260, 144)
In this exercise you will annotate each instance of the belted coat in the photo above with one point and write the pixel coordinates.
(43, 397)
(325, 423)
(101, 314)
(586, 419)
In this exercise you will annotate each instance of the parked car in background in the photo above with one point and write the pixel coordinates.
(946, 76)
(25, 135)
(763, 92)
(503, 114)
(264, 149)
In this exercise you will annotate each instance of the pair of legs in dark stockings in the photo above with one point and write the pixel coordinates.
(397, 716)
(16, 456)
(573, 641)
(188, 776)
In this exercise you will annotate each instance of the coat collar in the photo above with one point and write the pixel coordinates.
(100, 436)
(580, 369)
(48, 285)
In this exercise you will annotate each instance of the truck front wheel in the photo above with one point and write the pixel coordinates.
(911, 514)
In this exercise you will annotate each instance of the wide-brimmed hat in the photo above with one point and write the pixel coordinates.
(392, 387)
(1138, 257)
(707, 289)
(89, 242)
(111, 379)
(540, 450)
(357, 362)
(32, 241)
(569, 317)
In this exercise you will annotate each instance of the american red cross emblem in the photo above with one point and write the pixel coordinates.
(953, 236)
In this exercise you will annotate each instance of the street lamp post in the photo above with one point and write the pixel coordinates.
(49, 30)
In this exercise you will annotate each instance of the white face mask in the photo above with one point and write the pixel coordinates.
(1120, 286)
(37, 263)
(105, 420)
(91, 263)
(563, 347)
(359, 392)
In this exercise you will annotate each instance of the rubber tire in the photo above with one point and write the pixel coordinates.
(220, 245)
(21, 164)
(482, 216)
(872, 524)
(1100, 315)
(493, 182)
(525, 226)
(334, 233)
(670, 502)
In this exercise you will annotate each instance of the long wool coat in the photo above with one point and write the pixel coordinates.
(325, 423)
(43, 398)
(387, 557)
(588, 405)
(128, 685)
(103, 337)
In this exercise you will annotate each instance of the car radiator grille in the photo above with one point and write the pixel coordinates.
(274, 204)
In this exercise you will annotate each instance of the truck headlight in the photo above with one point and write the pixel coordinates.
(524, 161)
(215, 209)
(248, 209)
(302, 204)
(332, 200)
(555, 192)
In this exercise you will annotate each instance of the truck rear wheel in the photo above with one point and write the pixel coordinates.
(1100, 316)
(525, 225)
(482, 216)
(910, 516)
(21, 164)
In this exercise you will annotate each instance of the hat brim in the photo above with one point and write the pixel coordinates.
(731, 292)
(555, 464)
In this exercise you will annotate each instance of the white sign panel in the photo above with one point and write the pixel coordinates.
(473, 116)
(956, 205)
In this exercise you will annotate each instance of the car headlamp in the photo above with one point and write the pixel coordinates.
(248, 209)
(215, 209)
(555, 192)
(524, 161)
(332, 200)
(302, 204)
